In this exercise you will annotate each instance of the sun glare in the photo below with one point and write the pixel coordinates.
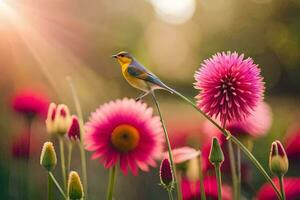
(174, 11)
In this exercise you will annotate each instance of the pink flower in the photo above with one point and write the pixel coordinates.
(256, 125)
(166, 174)
(291, 187)
(183, 154)
(125, 131)
(191, 190)
(74, 129)
(292, 144)
(30, 103)
(230, 86)
(185, 132)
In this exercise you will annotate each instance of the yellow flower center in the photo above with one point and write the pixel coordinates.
(125, 138)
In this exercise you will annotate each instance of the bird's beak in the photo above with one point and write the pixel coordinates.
(114, 56)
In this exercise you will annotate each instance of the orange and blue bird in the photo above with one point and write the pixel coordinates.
(139, 76)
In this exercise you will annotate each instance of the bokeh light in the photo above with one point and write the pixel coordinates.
(174, 11)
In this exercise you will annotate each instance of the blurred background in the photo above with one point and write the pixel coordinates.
(43, 42)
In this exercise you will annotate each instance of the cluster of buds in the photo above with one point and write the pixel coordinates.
(75, 188)
(60, 122)
(166, 174)
(278, 161)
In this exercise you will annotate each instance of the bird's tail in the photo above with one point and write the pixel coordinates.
(169, 89)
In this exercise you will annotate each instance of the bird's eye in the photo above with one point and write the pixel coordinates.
(122, 55)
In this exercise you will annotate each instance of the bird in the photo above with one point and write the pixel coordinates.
(139, 76)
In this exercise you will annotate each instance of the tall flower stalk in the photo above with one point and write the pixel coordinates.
(168, 145)
(111, 183)
(62, 162)
(81, 146)
(216, 157)
(233, 169)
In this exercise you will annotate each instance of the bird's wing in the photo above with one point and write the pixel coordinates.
(142, 73)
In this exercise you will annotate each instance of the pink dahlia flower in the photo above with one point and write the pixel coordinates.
(191, 190)
(230, 86)
(125, 131)
(256, 125)
(30, 103)
(291, 187)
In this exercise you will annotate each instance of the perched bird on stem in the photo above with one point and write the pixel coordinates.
(138, 76)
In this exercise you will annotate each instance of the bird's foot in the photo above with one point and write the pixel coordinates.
(141, 96)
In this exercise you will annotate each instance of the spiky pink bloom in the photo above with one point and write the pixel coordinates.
(191, 190)
(125, 131)
(230, 86)
(291, 187)
(30, 103)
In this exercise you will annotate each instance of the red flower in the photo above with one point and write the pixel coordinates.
(291, 187)
(292, 144)
(191, 190)
(30, 103)
(20, 146)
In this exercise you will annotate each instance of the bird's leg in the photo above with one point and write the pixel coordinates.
(142, 96)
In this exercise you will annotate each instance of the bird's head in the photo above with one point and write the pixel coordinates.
(123, 57)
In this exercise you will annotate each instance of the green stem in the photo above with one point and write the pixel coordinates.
(228, 136)
(239, 173)
(70, 148)
(81, 146)
(168, 145)
(233, 169)
(50, 196)
(219, 179)
(179, 178)
(57, 185)
(202, 189)
(282, 187)
(170, 194)
(111, 183)
(62, 161)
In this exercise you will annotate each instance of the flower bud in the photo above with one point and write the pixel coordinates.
(278, 161)
(62, 119)
(48, 156)
(74, 129)
(50, 118)
(166, 175)
(216, 155)
(75, 189)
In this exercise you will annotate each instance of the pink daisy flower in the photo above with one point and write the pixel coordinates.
(291, 187)
(191, 189)
(125, 131)
(230, 86)
(30, 103)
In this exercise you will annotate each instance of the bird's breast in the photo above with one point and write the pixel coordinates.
(135, 82)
